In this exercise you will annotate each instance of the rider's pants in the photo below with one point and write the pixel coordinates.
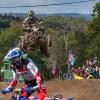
(41, 91)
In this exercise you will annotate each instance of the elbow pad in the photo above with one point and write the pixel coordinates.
(13, 83)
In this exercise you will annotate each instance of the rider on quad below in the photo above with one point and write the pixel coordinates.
(28, 70)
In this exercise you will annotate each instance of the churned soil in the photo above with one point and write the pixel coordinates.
(78, 89)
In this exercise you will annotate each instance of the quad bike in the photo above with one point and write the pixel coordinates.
(33, 38)
(16, 95)
(17, 92)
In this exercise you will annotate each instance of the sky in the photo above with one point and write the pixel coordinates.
(83, 8)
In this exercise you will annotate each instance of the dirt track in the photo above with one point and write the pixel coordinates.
(78, 89)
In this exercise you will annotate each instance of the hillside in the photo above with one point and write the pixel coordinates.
(78, 89)
(74, 15)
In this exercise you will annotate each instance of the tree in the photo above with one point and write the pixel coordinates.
(96, 10)
(57, 51)
(94, 33)
(82, 44)
(8, 38)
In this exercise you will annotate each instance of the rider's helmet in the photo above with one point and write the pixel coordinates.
(31, 13)
(15, 55)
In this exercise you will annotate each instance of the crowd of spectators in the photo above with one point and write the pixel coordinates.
(88, 70)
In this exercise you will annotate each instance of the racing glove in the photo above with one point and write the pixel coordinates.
(6, 90)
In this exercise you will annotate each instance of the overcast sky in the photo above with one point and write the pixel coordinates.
(84, 8)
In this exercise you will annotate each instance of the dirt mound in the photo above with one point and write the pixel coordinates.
(78, 89)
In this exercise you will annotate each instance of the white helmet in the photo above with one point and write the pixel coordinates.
(31, 13)
(13, 53)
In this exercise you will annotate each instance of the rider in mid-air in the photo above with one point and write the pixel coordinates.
(28, 70)
(31, 20)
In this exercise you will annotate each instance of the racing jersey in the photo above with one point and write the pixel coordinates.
(30, 21)
(28, 72)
